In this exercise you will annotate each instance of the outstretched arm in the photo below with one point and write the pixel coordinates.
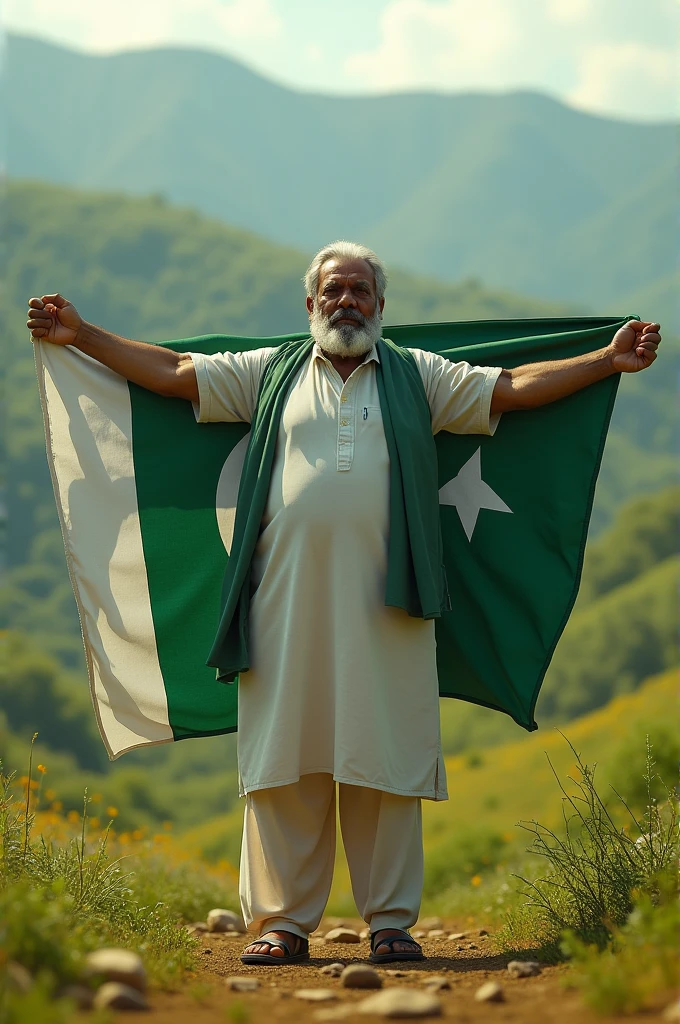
(52, 318)
(632, 348)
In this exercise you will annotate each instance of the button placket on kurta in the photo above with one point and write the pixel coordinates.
(346, 413)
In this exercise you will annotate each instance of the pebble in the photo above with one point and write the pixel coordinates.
(436, 933)
(455, 936)
(365, 933)
(482, 932)
(523, 968)
(206, 952)
(242, 984)
(113, 995)
(419, 934)
(473, 945)
(82, 996)
(117, 965)
(220, 920)
(319, 941)
(332, 970)
(360, 976)
(436, 982)
(401, 1002)
(399, 973)
(431, 923)
(316, 995)
(491, 992)
(18, 978)
(342, 935)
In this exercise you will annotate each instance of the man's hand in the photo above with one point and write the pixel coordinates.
(53, 318)
(634, 346)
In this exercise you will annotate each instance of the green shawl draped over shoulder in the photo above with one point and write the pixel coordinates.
(416, 577)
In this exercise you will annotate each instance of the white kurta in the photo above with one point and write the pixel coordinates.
(339, 682)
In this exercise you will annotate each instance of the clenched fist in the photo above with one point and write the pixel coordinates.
(634, 346)
(53, 318)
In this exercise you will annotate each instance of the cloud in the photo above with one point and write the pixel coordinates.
(110, 25)
(608, 56)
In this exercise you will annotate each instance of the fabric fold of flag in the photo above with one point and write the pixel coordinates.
(146, 499)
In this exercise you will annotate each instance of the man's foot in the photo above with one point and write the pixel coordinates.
(404, 944)
(266, 948)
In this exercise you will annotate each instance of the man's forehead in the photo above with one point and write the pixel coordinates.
(354, 269)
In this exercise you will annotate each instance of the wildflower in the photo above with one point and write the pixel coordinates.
(112, 812)
(138, 834)
(57, 805)
(124, 838)
(476, 880)
(96, 798)
(50, 794)
(42, 769)
(73, 817)
(94, 822)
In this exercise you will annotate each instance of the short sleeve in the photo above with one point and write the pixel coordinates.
(459, 394)
(228, 383)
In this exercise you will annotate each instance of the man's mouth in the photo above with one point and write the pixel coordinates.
(347, 316)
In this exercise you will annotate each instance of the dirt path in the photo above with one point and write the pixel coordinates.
(207, 1000)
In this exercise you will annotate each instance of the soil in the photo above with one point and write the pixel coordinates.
(205, 998)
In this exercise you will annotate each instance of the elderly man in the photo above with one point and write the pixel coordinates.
(338, 679)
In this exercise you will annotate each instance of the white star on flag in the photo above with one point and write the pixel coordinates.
(469, 494)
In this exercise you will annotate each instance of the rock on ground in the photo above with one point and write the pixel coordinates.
(316, 995)
(115, 996)
(342, 935)
(491, 992)
(401, 1002)
(436, 933)
(220, 920)
(436, 982)
(672, 1012)
(430, 923)
(117, 965)
(457, 936)
(242, 984)
(524, 968)
(360, 976)
(332, 970)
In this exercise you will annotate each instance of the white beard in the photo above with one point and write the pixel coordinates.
(345, 339)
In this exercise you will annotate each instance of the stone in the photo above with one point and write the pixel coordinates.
(316, 995)
(672, 1012)
(239, 983)
(113, 995)
(436, 982)
(120, 965)
(220, 920)
(360, 976)
(398, 973)
(419, 934)
(18, 978)
(472, 945)
(456, 936)
(342, 935)
(206, 952)
(332, 970)
(365, 933)
(319, 941)
(523, 968)
(436, 933)
(429, 924)
(482, 933)
(490, 992)
(82, 996)
(401, 1002)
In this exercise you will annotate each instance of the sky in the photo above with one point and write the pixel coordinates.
(612, 57)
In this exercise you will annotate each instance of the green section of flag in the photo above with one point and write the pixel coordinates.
(512, 584)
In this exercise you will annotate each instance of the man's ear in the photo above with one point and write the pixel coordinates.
(381, 305)
(310, 305)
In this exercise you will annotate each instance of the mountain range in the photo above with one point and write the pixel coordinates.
(516, 190)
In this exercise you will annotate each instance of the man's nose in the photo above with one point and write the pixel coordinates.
(347, 299)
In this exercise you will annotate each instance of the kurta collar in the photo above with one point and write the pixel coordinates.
(372, 356)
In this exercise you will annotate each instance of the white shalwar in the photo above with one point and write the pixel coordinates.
(339, 683)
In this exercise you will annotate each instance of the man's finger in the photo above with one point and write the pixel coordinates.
(36, 303)
(56, 299)
(651, 328)
(39, 333)
(648, 346)
(39, 322)
(655, 338)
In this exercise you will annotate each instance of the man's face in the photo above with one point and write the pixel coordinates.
(345, 317)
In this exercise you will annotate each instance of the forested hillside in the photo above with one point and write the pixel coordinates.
(515, 189)
(148, 270)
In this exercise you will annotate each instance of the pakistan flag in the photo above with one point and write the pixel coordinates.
(147, 497)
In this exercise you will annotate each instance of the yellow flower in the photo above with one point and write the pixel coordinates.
(476, 880)
(112, 812)
(124, 838)
(42, 769)
(96, 798)
(94, 822)
(138, 834)
(73, 817)
(57, 805)
(50, 794)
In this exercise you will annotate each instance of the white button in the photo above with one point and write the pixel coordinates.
(344, 423)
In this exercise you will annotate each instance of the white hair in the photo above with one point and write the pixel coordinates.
(343, 250)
